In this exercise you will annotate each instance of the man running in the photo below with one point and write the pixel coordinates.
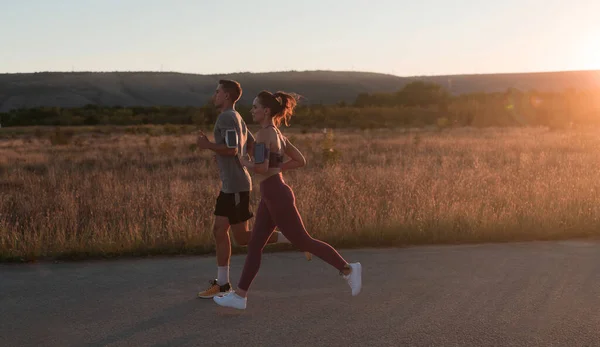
(232, 209)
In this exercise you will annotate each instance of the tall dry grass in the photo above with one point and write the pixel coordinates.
(107, 194)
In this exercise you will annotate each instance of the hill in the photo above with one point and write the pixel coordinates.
(75, 89)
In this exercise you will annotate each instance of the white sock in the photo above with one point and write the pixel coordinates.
(222, 275)
(281, 238)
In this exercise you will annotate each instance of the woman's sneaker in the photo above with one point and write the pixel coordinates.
(354, 278)
(231, 300)
(214, 290)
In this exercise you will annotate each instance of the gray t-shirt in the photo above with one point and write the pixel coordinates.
(234, 176)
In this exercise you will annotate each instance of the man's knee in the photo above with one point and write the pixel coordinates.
(219, 232)
(220, 227)
(240, 233)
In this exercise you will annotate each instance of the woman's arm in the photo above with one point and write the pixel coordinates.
(296, 161)
(262, 136)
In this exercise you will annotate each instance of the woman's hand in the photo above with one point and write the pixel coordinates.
(245, 161)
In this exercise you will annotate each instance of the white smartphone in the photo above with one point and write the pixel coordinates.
(231, 138)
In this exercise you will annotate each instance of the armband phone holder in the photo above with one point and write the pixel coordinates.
(260, 153)
(231, 138)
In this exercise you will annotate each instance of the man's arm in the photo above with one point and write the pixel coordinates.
(221, 149)
(221, 125)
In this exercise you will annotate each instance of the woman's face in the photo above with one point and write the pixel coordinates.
(259, 112)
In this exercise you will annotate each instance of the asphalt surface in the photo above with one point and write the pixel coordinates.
(519, 294)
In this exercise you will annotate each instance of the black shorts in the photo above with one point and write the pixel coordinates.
(236, 212)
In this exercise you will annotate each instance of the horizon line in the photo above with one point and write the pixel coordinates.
(296, 71)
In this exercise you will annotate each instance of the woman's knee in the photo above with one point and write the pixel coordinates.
(303, 242)
(254, 247)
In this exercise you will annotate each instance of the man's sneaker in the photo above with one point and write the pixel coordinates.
(231, 300)
(354, 278)
(215, 289)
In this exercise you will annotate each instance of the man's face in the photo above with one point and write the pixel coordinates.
(219, 97)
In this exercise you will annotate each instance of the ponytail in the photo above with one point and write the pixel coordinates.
(281, 104)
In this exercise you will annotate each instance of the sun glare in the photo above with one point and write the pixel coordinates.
(590, 56)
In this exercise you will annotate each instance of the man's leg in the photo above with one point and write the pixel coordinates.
(223, 210)
(223, 248)
(222, 242)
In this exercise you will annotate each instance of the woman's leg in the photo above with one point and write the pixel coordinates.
(263, 227)
(262, 230)
(290, 223)
(288, 219)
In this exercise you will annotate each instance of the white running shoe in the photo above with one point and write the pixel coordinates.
(231, 300)
(355, 278)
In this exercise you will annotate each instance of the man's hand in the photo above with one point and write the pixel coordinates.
(202, 141)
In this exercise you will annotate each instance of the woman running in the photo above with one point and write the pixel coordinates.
(277, 206)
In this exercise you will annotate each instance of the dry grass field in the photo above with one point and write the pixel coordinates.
(109, 193)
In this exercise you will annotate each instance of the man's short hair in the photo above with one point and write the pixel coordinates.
(233, 88)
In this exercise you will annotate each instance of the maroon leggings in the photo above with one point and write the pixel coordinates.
(278, 208)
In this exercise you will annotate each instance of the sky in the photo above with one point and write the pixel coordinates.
(404, 38)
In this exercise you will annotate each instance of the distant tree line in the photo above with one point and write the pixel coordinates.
(416, 104)
(107, 115)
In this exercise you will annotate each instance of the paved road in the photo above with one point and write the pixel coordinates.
(523, 294)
